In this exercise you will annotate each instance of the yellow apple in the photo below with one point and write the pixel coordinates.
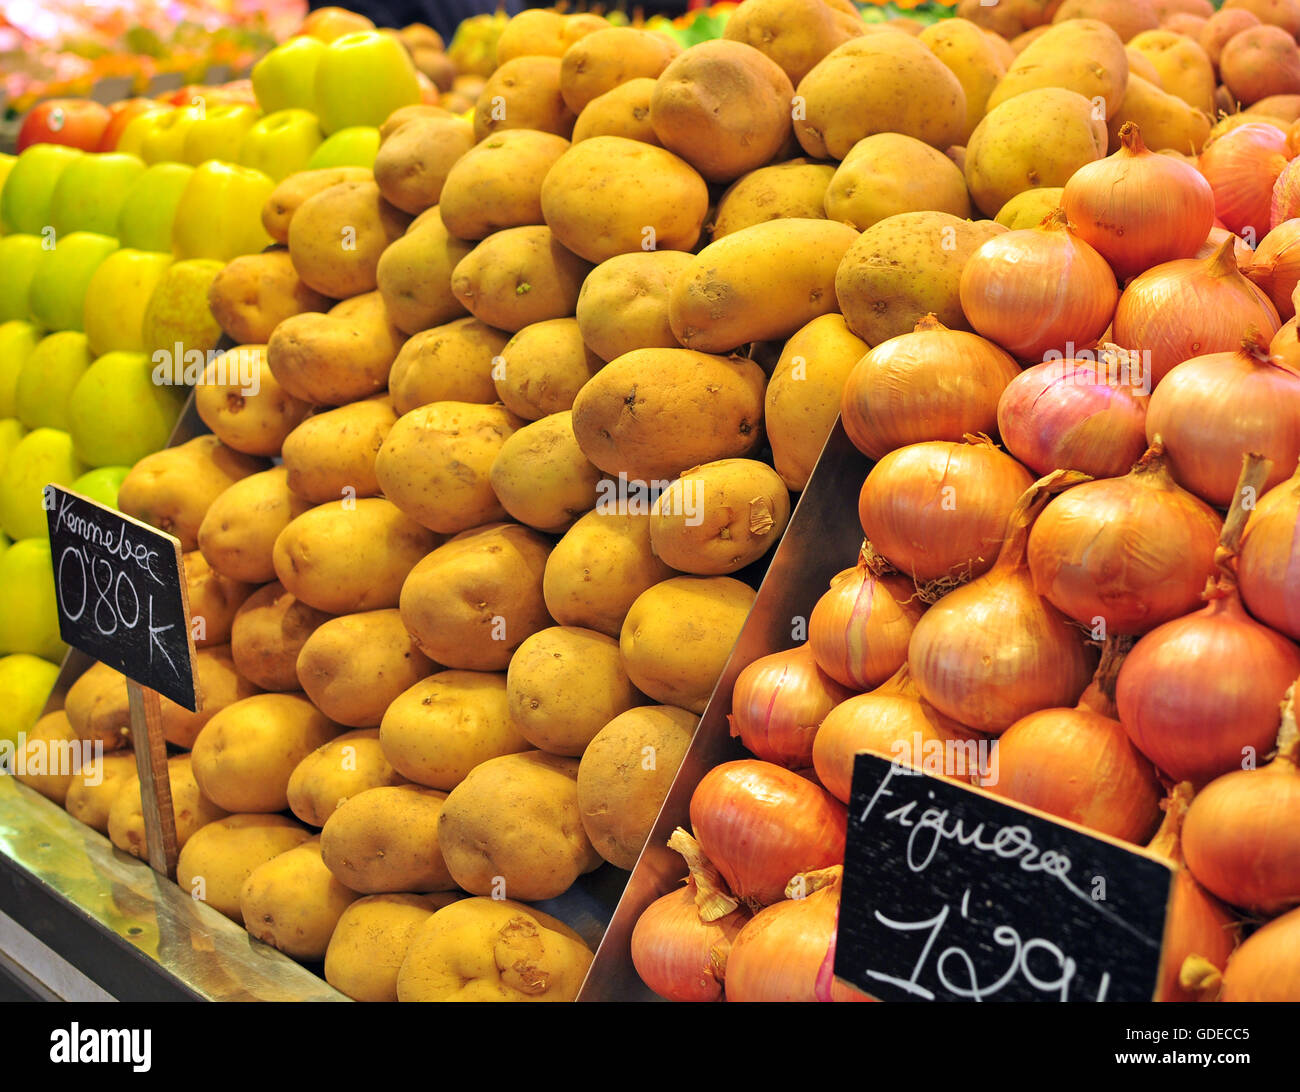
(116, 299)
(219, 214)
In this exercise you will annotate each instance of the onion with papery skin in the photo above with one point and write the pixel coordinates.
(1123, 555)
(858, 631)
(1137, 208)
(1284, 205)
(1268, 570)
(1275, 268)
(1267, 965)
(1189, 308)
(1286, 345)
(778, 703)
(992, 651)
(1077, 414)
(1218, 235)
(1211, 410)
(1241, 167)
(1039, 290)
(931, 384)
(938, 510)
(759, 824)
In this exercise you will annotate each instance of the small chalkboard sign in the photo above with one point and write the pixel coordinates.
(952, 895)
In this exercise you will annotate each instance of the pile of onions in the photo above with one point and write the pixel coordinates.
(1268, 570)
(896, 722)
(1199, 693)
(1211, 410)
(1189, 308)
(938, 510)
(859, 630)
(1125, 553)
(1138, 209)
(682, 940)
(1038, 290)
(780, 700)
(1267, 966)
(992, 651)
(1242, 835)
(1198, 927)
(760, 824)
(1241, 167)
(1078, 763)
(931, 384)
(1086, 415)
(1275, 267)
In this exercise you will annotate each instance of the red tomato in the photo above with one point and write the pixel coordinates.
(78, 123)
(122, 113)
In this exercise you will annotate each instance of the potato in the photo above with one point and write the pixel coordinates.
(888, 174)
(241, 402)
(878, 83)
(346, 765)
(622, 112)
(541, 476)
(523, 93)
(412, 164)
(50, 757)
(543, 367)
(220, 684)
(608, 58)
(677, 636)
(1165, 120)
(414, 275)
(906, 267)
(600, 566)
(371, 939)
(722, 106)
(352, 667)
(445, 725)
(794, 189)
(1139, 65)
(512, 828)
(1029, 208)
(350, 556)
(269, 632)
(474, 599)
(1084, 56)
(449, 363)
(719, 517)
(662, 200)
(337, 235)
(796, 34)
(289, 194)
(172, 489)
(213, 600)
(973, 58)
(293, 902)
(339, 357)
(332, 455)
(758, 284)
(91, 794)
(1126, 17)
(519, 276)
(498, 183)
(625, 774)
(493, 950)
(652, 413)
(97, 707)
(543, 33)
(388, 839)
(255, 292)
(403, 114)
(623, 305)
(190, 808)
(219, 858)
(435, 464)
(245, 754)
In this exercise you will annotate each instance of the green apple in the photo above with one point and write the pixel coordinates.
(117, 296)
(25, 682)
(17, 341)
(178, 314)
(91, 191)
(18, 257)
(11, 431)
(117, 414)
(219, 133)
(286, 77)
(41, 457)
(220, 213)
(282, 143)
(164, 135)
(145, 222)
(57, 297)
(25, 202)
(102, 484)
(361, 78)
(47, 377)
(29, 613)
(354, 147)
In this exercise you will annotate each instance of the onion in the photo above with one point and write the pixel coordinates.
(859, 630)
(1081, 415)
(1276, 266)
(931, 384)
(1211, 410)
(992, 651)
(938, 510)
(1123, 555)
(1138, 209)
(760, 824)
(681, 941)
(1079, 765)
(1268, 571)
(1286, 345)
(1039, 290)
(1267, 966)
(1285, 202)
(1218, 234)
(778, 702)
(1190, 308)
(1241, 167)
(1242, 835)
(896, 722)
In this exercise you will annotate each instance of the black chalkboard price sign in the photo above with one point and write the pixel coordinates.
(952, 895)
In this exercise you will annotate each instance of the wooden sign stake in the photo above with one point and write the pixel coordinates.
(150, 748)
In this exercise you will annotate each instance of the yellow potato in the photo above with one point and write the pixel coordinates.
(254, 293)
(498, 183)
(92, 792)
(346, 765)
(97, 707)
(1030, 208)
(331, 456)
(605, 59)
(414, 162)
(387, 839)
(523, 93)
(337, 235)
(219, 857)
(623, 305)
(622, 112)
(1083, 55)
(519, 276)
(539, 32)
(796, 34)
(972, 57)
(542, 368)
(289, 194)
(371, 939)
(213, 600)
(414, 275)
(220, 684)
(448, 363)
(293, 902)
(1165, 120)
(541, 476)
(794, 189)
(238, 533)
(49, 757)
(269, 631)
(192, 810)
(887, 174)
